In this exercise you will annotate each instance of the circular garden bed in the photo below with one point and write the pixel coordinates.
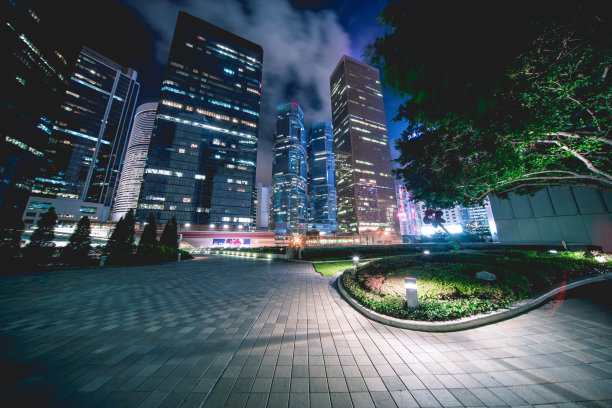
(447, 285)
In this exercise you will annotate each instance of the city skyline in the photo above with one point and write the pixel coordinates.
(322, 31)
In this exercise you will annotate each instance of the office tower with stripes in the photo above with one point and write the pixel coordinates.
(322, 212)
(135, 160)
(86, 150)
(288, 210)
(203, 153)
(365, 187)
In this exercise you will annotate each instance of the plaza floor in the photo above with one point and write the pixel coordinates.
(231, 332)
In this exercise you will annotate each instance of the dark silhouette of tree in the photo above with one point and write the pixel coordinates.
(130, 223)
(169, 236)
(499, 97)
(41, 246)
(121, 240)
(148, 238)
(79, 243)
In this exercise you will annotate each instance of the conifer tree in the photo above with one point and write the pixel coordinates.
(149, 234)
(41, 245)
(169, 236)
(79, 243)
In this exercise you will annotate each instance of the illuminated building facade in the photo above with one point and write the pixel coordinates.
(135, 161)
(408, 214)
(202, 159)
(36, 66)
(322, 212)
(364, 183)
(262, 206)
(476, 219)
(87, 148)
(289, 202)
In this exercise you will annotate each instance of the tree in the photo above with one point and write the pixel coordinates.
(41, 246)
(169, 236)
(511, 102)
(79, 243)
(121, 240)
(148, 239)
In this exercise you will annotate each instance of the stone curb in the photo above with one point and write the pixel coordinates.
(468, 322)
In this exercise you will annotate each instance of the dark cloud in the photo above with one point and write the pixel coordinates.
(307, 43)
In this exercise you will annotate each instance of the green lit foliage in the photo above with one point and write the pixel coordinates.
(500, 97)
(79, 243)
(448, 289)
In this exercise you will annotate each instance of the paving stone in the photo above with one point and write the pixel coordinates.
(173, 335)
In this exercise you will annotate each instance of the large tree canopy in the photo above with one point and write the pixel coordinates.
(499, 96)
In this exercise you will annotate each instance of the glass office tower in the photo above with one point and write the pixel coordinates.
(288, 209)
(89, 137)
(36, 65)
(364, 183)
(201, 163)
(321, 179)
(135, 160)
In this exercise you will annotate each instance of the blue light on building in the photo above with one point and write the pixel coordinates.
(322, 206)
(289, 207)
(201, 163)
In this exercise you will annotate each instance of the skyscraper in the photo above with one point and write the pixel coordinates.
(322, 212)
(88, 143)
(364, 183)
(289, 206)
(36, 66)
(135, 159)
(201, 163)
(262, 206)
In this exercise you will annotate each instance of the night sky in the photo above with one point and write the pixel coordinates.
(302, 41)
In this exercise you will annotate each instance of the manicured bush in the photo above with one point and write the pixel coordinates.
(448, 289)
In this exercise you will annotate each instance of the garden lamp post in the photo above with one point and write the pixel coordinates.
(412, 299)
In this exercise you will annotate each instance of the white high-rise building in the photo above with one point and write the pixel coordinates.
(134, 162)
(262, 206)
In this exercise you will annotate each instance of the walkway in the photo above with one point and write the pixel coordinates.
(239, 332)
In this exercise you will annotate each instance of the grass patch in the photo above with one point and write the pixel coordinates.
(448, 289)
(332, 268)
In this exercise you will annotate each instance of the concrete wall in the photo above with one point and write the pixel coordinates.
(576, 215)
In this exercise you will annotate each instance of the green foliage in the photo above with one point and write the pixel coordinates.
(121, 240)
(149, 234)
(169, 236)
(79, 243)
(332, 268)
(41, 246)
(448, 289)
(508, 103)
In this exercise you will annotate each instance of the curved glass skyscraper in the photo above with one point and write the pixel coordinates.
(322, 206)
(135, 160)
(288, 209)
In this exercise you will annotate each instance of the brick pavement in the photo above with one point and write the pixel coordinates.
(240, 332)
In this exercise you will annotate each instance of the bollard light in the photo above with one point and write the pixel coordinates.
(356, 260)
(412, 299)
(553, 251)
(426, 252)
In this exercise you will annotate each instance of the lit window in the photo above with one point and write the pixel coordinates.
(181, 150)
(186, 199)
